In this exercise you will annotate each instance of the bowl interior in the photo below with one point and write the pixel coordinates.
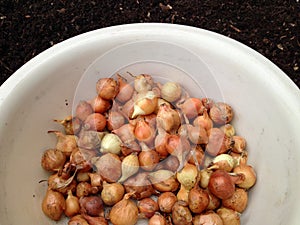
(266, 115)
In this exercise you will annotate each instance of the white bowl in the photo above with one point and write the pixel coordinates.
(265, 100)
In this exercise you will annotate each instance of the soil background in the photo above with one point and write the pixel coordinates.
(271, 27)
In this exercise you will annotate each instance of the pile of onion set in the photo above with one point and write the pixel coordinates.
(141, 149)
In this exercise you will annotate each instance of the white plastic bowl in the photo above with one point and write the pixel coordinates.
(266, 102)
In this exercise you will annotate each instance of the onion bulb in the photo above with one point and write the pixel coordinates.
(198, 199)
(125, 90)
(157, 219)
(238, 201)
(229, 216)
(249, 174)
(78, 220)
(53, 160)
(208, 218)
(221, 185)
(130, 166)
(164, 180)
(139, 185)
(91, 205)
(125, 212)
(112, 193)
(181, 215)
(167, 118)
(53, 205)
(147, 207)
(188, 176)
(72, 205)
(171, 91)
(107, 88)
(109, 167)
(166, 201)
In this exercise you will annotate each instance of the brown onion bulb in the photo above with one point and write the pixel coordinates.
(160, 142)
(83, 109)
(229, 216)
(125, 90)
(115, 120)
(196, 156)
(95, 121)
(238, 201)
(203, 121)
(218, 142)
(109, 167)
(112, 193)
(53, 160)
(181, 215)
(125, 212)
(221, 185)
(53, 205)
(198, 199)
(183, 194)
(72, 205)
(92, 220)
(107, 88)
(208, 218)
(85, 189)
(100, 105)
(239, 144)
(164, 180)
(157, 219)
(125, 133)
(214, 202)
(170, 163)
(65, 143)
(148, 159)
(144, 132)
(166, 201)
(221, 113)
(91, 205)
(78, 220)
(192, 107)
(167, 118)
(249, 175)
(139, 185)
(147, 207)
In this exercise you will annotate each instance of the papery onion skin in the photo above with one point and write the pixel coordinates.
(148, 159)
(92, 220)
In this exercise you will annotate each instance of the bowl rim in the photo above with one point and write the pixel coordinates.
(25, 69)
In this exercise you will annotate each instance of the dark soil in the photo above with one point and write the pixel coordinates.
(271, 27)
